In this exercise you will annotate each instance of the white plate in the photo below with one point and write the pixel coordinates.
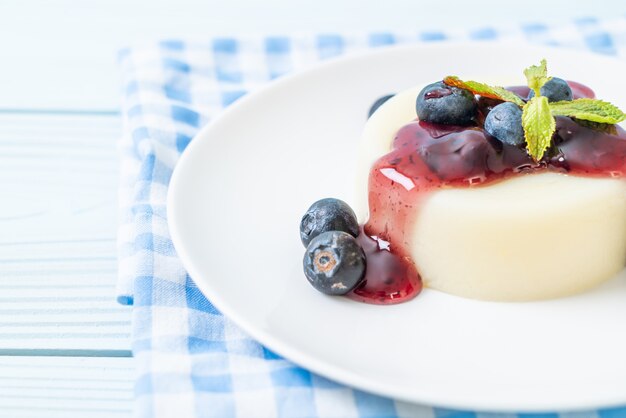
(240, 189)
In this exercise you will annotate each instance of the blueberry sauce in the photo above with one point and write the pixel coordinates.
(389, 278)
(426, 157)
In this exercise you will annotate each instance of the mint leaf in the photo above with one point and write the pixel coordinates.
(492, 92)
(588, 109)
(539, 125)
(537, 76)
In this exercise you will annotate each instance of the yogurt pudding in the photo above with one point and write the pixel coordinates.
(491, 193)
(480, 218)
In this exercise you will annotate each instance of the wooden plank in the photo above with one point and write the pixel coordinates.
(62, 56)
(58, 266)
(66, 387)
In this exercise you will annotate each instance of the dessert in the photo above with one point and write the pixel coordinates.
(494, 194)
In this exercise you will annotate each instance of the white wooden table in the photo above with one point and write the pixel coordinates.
(65, 345)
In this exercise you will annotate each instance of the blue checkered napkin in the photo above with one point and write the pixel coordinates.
(192, 361)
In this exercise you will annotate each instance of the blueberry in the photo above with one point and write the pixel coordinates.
(439, 103)
(328, 215)
(334, 263)
(505, 123)
(378, 103)
(555, 90)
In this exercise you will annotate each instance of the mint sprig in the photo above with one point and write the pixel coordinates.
(589, 109)
(492, 92)
(537, 76)
(537, 119)
(539, 125)
(538, 114)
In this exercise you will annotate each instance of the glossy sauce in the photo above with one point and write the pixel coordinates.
(389, 277)
(426, 157)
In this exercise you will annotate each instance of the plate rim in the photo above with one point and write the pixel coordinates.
(300, 358)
